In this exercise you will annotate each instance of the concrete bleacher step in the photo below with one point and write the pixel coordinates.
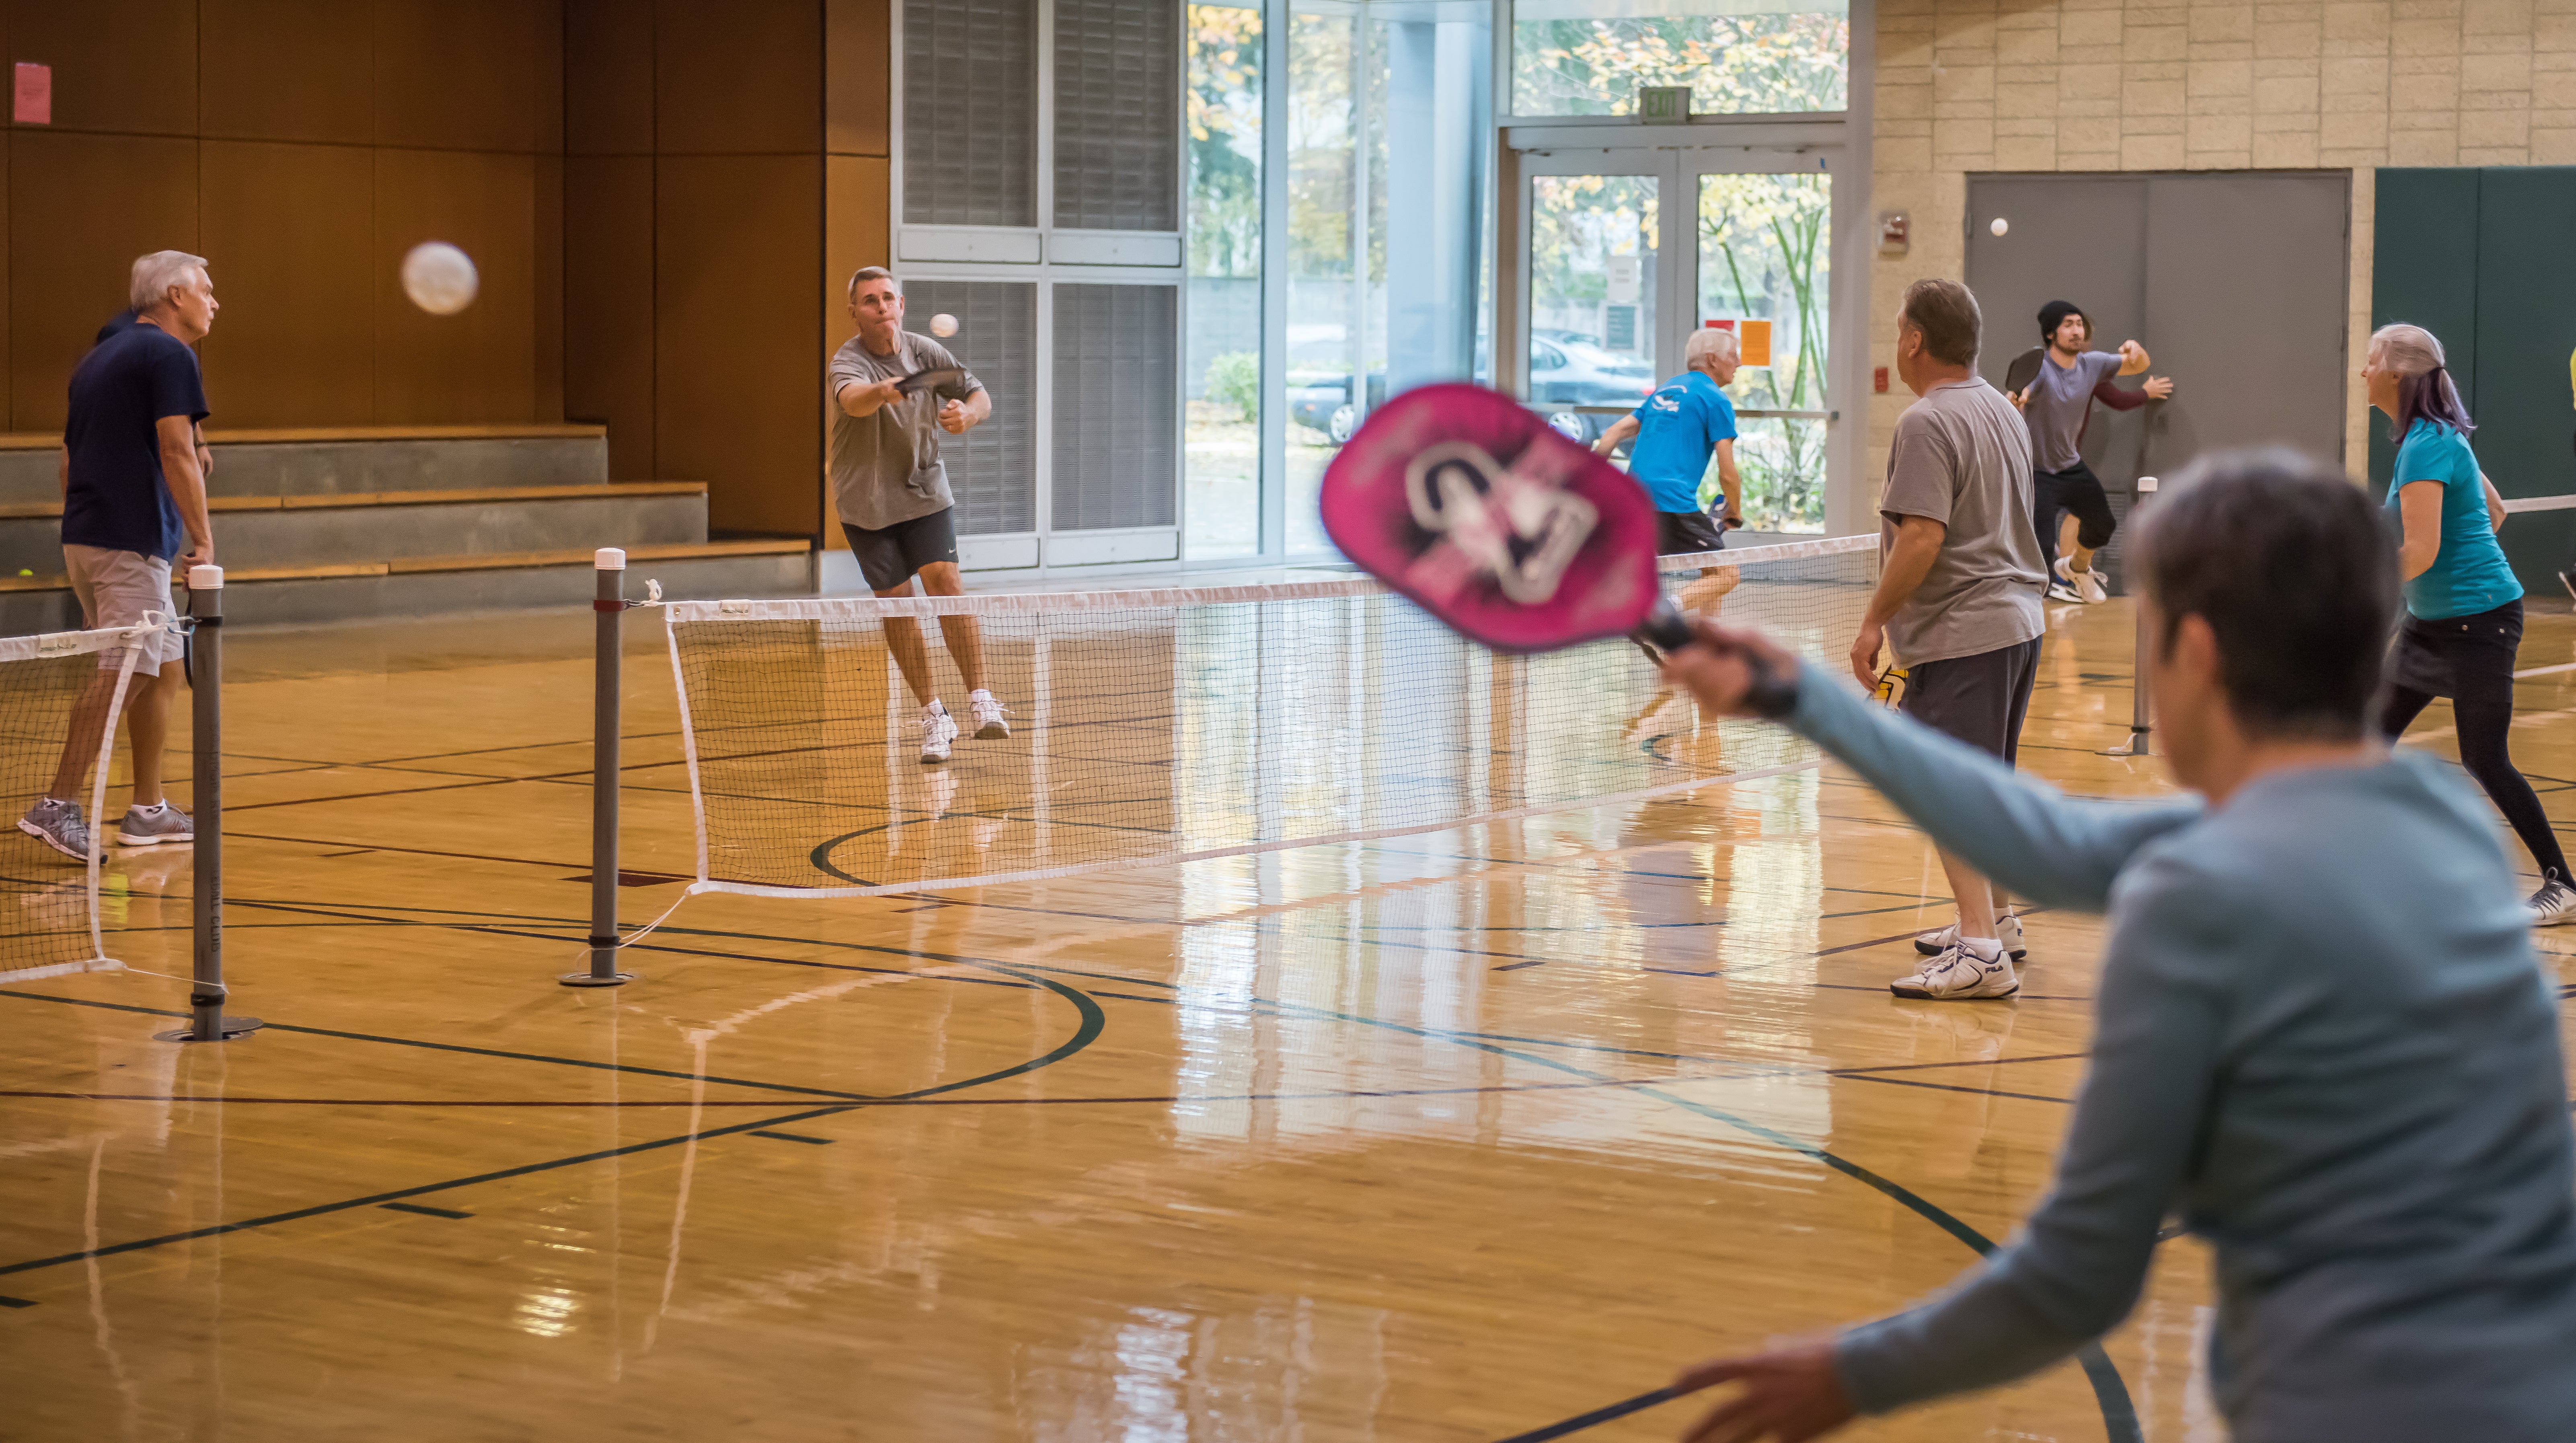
(314, 461)
(317, 528)
(439, 585)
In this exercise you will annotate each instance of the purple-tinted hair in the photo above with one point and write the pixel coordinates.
(2424, 389)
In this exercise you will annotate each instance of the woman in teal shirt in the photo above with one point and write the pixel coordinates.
(2463, 621)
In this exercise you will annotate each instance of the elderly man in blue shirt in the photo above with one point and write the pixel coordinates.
(1679, 428)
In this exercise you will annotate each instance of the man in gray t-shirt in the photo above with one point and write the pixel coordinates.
(893, 394)
(1958, 597)
(2056, 404)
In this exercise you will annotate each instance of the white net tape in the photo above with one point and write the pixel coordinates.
(1155, 726)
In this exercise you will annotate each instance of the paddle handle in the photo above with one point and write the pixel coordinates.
(1771, 696)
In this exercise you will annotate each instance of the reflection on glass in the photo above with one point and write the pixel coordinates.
(1739, 57)
(1593, 240)
(1224, 358)
(1764, 257)
(1383, 240)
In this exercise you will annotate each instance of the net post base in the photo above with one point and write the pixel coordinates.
(603, 968)
(2136, 746)
(226, 1029)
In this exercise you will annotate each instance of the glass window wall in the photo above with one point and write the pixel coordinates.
(1222, 369)
(1389, 119)
(1765, 258)
(1739, 57)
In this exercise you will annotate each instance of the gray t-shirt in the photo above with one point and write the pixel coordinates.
(2059, 401)
(1962, 458)
(885, 468)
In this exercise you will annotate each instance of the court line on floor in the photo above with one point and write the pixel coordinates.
(1092, 1023)
(2119, 1413)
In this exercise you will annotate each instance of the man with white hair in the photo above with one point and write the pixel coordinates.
(134, 497)
(1679, 428)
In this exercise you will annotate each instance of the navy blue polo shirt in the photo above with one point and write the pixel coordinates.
(118, 498)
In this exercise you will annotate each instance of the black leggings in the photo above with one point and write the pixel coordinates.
(2485, 714)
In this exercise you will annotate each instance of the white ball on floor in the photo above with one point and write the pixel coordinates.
(943, 324)
(439, 278)
(2000, 226)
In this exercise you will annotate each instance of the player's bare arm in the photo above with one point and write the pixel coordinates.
(2133, 359)
(1918, 545)
(1620, 430)
(866, 398)
(1730, 483)
(958, 417)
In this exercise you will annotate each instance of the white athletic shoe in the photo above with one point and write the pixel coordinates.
(2061, 587)
(986, 714)
(2554, 904)
(2007, 931)
(2093, 586)
(938, 734)
(1962, 973)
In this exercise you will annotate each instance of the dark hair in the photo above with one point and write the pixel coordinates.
(2292, 568)
(872, 273)
(1947, 315)
(2054, 314)
(2424, 389)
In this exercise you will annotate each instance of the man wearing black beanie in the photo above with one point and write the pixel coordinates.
(2056, 404)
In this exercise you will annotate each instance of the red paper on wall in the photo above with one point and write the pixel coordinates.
(32, 96)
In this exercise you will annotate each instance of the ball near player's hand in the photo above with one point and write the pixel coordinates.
(943, 325)
(2000, 226)
(439, 278)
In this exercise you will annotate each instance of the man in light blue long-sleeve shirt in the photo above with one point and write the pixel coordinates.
(2322, 1034)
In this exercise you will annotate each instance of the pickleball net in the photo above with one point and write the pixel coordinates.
(1156, 726)
(61, 695)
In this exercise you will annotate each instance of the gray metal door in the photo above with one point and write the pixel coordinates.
(2235, 283)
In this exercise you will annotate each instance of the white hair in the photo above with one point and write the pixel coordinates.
(156, 273)
(1709, 340)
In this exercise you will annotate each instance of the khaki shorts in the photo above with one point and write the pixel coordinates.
(115, 589)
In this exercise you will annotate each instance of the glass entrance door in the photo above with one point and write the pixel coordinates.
(1623, 253)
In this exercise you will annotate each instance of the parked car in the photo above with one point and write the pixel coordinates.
(1563, 373)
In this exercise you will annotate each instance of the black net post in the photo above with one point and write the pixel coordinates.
(610, 607)
(2141, 724)
(206, 713)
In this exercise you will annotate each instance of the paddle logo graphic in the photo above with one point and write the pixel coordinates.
(1491, 521)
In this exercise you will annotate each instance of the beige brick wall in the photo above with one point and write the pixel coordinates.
(2110, 85)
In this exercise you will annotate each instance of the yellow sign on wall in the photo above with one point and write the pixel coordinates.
(1752, 339)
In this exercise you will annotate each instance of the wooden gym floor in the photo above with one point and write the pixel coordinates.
(1451, 1137)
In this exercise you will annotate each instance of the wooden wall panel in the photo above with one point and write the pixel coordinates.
(121, 65)
(81, 208)
(858, 73)
(608, 305)
(608, 78)
(734, 77)
(479, 365)
(856, 232)
(547, 303)
(289, 238)
(288, 70)
(468, 74)
(737, 383)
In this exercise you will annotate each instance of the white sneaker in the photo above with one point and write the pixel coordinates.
(2093, 586)
(2554, 904)
(986, 714)
(938, 734)
(1962, 973)
(2007, 931)
(2061, 587)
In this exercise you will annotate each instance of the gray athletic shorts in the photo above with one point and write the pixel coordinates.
(1979, 699)
(115, 589)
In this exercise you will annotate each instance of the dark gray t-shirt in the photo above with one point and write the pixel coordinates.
(2058, 402)
(885, 468)
(1961, 457)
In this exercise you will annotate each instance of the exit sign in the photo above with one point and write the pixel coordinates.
(1664, 103)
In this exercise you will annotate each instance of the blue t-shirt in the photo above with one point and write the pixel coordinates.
(1678, 428)
(120, 392)
(2469, 573)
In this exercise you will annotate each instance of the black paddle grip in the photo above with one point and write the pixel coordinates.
(1771, 696)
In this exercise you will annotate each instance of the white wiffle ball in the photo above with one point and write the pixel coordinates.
(943, 325)
(439, 278)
